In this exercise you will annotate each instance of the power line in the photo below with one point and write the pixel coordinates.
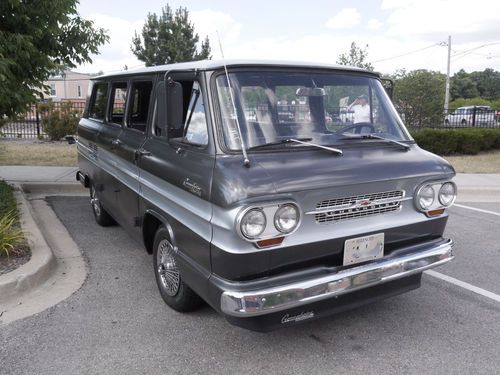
(461, 54)
(410, 52)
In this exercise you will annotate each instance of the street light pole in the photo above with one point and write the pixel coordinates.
(447, 92)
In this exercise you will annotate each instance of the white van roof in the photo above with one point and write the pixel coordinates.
(219, 64)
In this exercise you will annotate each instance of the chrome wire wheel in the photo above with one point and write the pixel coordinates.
(167, 268)
(94, 201)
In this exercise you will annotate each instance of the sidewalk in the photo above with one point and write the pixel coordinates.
(52, 175)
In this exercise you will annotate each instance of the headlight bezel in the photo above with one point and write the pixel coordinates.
(419, 196)
(449, 204)
(437, 203)
(249, 212)
(269, 210)
(276, 218)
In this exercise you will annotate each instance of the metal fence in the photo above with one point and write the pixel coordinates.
(473, 116)
(30, 124)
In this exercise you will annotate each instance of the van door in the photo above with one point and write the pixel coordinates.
(129, 150)
(106, 182)
(176, 180)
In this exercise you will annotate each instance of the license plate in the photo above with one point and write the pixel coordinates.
(361, 249)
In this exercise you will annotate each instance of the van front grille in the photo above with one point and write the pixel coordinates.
(358, 206)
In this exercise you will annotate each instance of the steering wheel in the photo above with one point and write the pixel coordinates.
(358, 127)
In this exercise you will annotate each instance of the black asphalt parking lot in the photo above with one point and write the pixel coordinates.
(118, 324)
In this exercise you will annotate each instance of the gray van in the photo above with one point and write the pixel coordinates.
(253, 195)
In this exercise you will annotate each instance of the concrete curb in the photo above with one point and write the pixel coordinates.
(57, 268)
(42, 263)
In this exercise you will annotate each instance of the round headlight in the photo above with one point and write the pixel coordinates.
(425, 197)
(447, 194)
(253, 223)
(286, 218)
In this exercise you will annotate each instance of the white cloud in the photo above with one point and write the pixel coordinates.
(436, 18)
(208, 22)
(374, 24)
(116, 54)
(345, 19)
(406, 25)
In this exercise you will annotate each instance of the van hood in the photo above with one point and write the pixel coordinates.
(298, 171)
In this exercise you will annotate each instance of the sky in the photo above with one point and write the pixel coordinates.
(400, 34)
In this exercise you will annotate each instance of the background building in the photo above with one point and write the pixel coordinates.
(68, 86)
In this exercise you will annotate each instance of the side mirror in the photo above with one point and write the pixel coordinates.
(388, 86)
(175, 104)
(161, 105)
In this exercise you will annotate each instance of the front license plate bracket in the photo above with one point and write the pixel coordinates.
(362, 249)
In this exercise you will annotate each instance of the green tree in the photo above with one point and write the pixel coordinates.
(485, 84)
(419, 96)
(356, 56)
(36, 37)
(463, 86)
(169, 38)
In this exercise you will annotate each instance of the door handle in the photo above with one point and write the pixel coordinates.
(115, 143)
(141, 152)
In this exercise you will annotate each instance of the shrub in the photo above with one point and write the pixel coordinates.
(59, 122)
(457, 141)
(11, 236)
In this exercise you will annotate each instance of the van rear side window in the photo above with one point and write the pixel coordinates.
(138, 107)
(97, 108)
(117, 105)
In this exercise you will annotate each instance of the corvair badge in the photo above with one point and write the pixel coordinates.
(297, 318)
(192, 187)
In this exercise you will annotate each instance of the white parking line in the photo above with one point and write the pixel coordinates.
(463, 284)
(477, 209)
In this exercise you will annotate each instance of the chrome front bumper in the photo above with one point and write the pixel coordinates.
(269, 300)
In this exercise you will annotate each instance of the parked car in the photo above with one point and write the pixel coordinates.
(471, 115)
(271, 223)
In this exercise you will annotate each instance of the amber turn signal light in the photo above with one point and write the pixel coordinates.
(270, 242)
(435, 212)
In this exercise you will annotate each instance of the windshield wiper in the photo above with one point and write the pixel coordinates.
(283, 141)
(302, 141)
(373, 136)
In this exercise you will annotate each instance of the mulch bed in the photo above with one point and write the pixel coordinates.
(14, 261)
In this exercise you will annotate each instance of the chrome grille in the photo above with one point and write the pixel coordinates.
(357, 206)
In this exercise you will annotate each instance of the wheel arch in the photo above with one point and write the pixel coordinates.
(152, 220)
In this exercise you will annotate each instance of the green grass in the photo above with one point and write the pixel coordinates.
(484, 162)
(37, 153)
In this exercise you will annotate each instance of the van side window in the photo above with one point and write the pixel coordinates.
(138, 108)
(97, 108)
(195, 126)
(117, 102)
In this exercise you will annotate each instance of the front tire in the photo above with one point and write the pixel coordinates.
(100, 214)
(173, 289)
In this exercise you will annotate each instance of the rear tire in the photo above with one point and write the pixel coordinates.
(100, 214)
(174, 291)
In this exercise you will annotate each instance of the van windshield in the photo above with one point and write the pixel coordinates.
(273, 107)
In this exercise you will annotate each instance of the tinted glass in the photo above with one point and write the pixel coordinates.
(138, 109)
(196, 122)
(97, 109)
(325, 107)
(117, 104)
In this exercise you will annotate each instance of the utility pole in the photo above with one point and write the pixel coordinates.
(447, 92)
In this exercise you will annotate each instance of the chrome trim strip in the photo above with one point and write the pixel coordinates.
(270, 300)
(344, 207)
